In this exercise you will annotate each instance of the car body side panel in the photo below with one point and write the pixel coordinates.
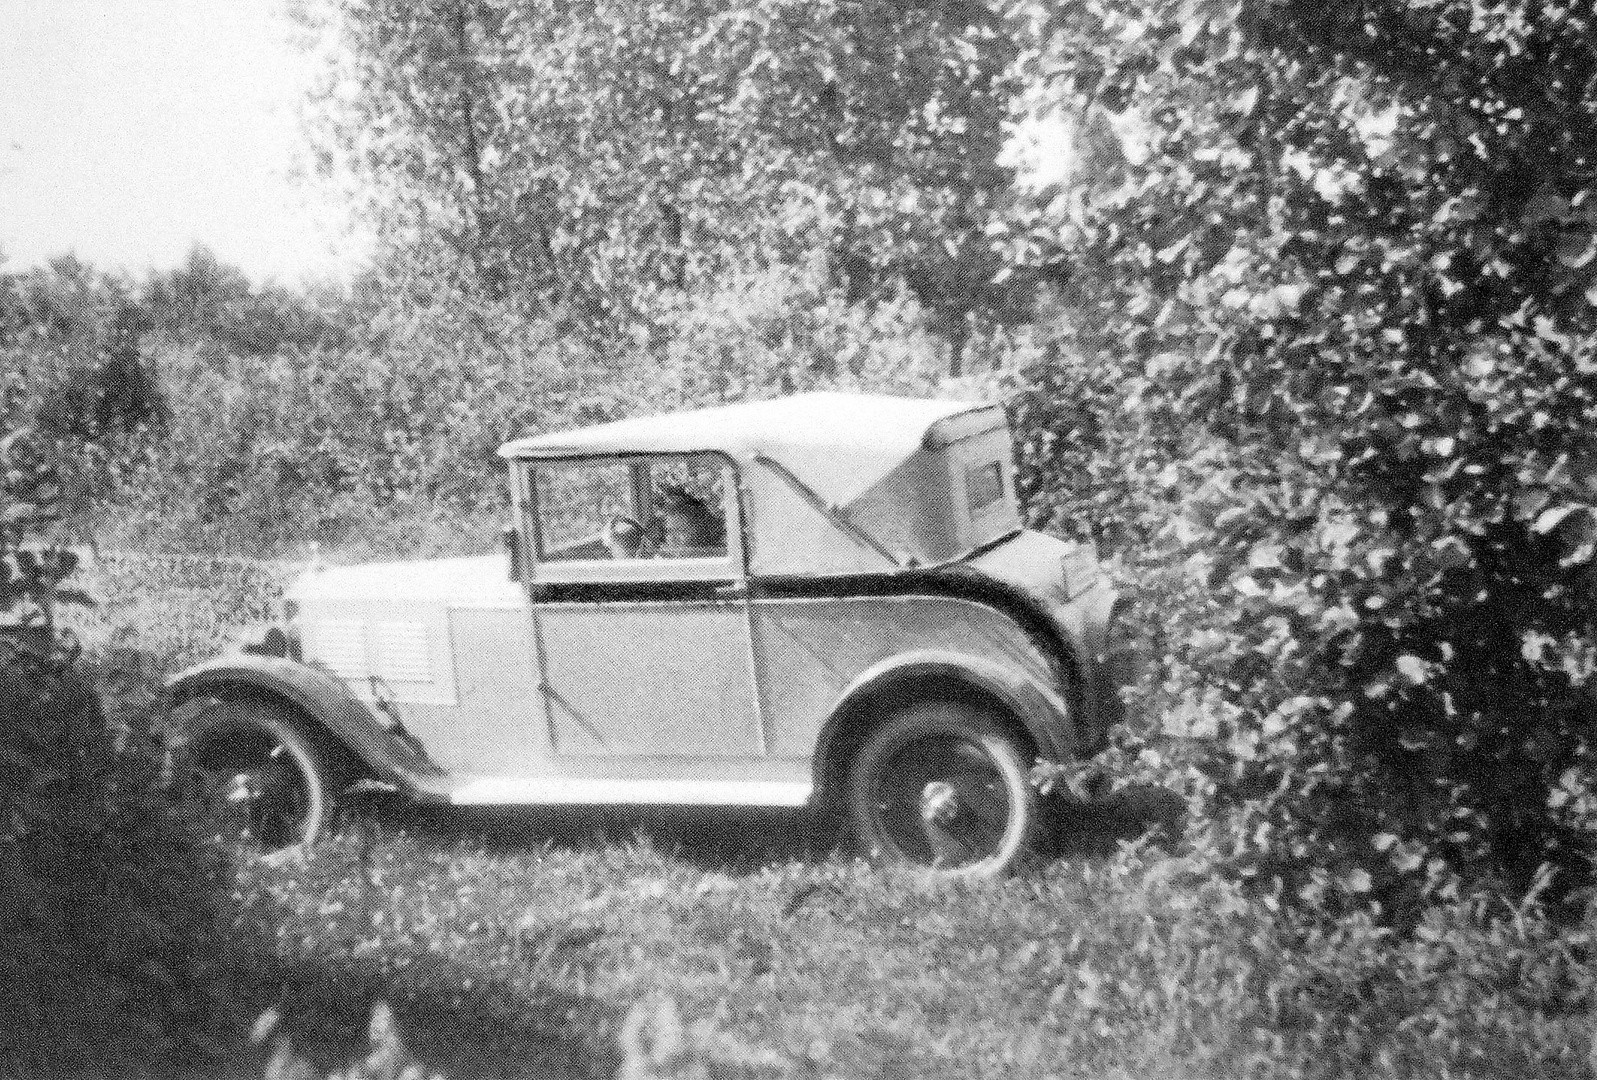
(788, 535)
(660, 678)
(461, 676)
(498, 724)
(809, 652)
(695, 689)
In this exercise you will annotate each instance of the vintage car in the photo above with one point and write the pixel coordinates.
(824, 599)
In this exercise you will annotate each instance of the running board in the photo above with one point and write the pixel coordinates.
(564, 791)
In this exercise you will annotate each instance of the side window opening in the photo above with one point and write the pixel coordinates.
(631, 509)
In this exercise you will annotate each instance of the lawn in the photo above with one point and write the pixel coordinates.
(532, 936)
(570, 945)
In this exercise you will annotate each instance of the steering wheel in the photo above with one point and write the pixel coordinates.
(624, 537)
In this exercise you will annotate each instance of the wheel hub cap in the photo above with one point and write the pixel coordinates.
(241, 790)
(939, 802)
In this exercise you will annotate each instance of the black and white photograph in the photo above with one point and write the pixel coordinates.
(815, 539)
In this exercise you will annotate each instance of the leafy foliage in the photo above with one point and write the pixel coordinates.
(593, 159)
(101, 886)
(30, 575)
(1331, 328)
(72, 337)
(209, 304)
(786, 329)
(103, 892)
(85, 355)
(379, 437)
(366, 448)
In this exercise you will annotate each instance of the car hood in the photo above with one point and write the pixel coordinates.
(474, 580)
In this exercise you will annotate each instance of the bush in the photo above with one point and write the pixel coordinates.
(785, 329)
(1365, 302)
(108, 391)
(381, 445)
(102, 886)
(387, 446)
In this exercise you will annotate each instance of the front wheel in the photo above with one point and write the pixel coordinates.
(942, 785)
(259, 776)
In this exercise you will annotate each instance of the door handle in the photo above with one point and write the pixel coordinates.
(735, 590)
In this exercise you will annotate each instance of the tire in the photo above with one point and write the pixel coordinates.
(942, 785)
(256, 772)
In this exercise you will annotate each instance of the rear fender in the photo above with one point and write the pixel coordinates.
(382, 746)
(1045, 715)
(1110, 668)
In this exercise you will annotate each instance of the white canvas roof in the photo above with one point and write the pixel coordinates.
(839, 445)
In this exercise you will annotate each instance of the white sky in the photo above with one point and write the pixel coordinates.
(132, 129)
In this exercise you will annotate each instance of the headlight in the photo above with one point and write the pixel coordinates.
(264, 641)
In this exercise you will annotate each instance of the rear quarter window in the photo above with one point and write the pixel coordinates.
(984, 485)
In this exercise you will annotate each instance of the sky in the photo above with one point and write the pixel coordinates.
(130, 130)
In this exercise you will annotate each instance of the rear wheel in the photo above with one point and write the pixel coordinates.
(941, 784)
(261, 778)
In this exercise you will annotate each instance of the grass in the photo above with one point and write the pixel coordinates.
(527, 939)
(699, 944)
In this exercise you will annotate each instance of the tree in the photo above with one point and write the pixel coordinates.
(598, 159)
(66, 299)
(1349, 267)
(209, 303)
(74, 338)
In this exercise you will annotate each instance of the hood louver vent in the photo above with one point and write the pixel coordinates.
(340, 644)
(404, 653)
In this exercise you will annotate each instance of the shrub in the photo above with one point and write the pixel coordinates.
(103, 907)
(106, 390)
(785, 329)
(384, 444)
(1365, 301)
(102, 887)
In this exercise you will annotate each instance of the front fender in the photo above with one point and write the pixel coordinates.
(1044, 713)
(387, 751)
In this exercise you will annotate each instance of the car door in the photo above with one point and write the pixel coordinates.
(639, 604)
